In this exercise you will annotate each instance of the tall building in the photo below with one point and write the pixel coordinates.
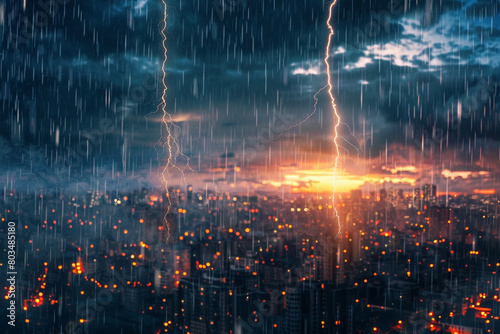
(328, 262)
(339, 309)
(133, 298)
(429, 192)
(314, 300)
(417, 198)
(202, 307)
(293, 310)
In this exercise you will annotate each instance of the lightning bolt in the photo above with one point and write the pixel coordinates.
(170, 144)
(307, 117)
(351, 145)
(334, 108)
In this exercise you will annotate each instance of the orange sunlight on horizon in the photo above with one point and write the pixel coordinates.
(319, 180)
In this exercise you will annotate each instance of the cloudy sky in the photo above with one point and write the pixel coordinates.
(415, 83)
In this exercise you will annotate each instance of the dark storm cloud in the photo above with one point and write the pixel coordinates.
(401, 70)
(420, 72)
(88, 62)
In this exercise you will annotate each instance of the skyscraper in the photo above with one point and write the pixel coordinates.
(429, 192)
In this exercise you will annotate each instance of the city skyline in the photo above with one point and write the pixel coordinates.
(416, 90)
(226, 263)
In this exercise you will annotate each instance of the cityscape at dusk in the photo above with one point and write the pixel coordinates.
(250, 166)
(402, 263)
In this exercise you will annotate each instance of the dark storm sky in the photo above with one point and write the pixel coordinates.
(416, 85)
